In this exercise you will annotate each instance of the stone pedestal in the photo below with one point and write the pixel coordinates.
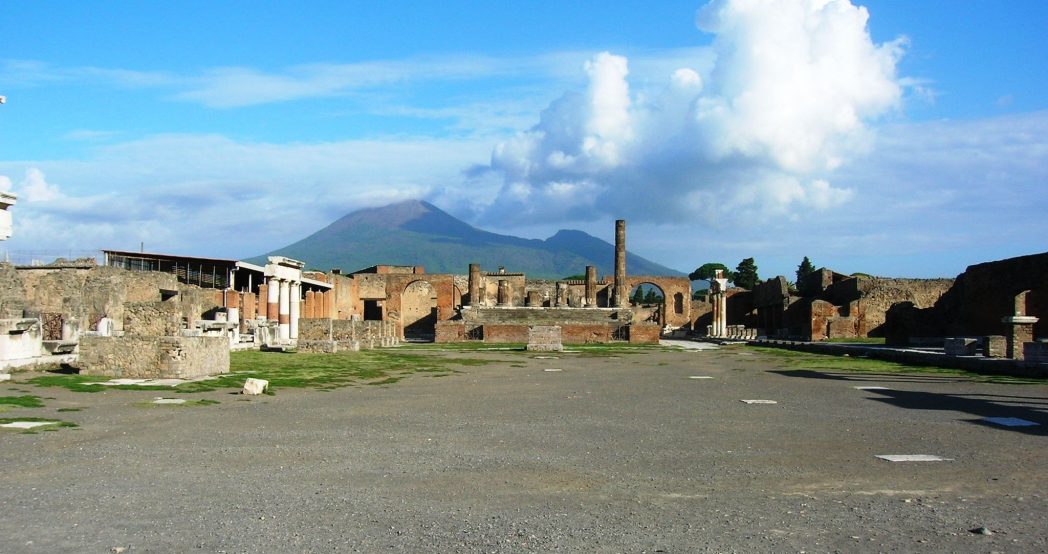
(1021, 331)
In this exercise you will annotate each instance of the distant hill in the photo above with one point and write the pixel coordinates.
(419, 233)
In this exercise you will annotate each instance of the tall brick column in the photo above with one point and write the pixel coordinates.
(474, 285)
(309, 305)
(620, 292)
(1021, 329)
(591, 286)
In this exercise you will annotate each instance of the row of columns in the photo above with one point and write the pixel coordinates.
(282, 301)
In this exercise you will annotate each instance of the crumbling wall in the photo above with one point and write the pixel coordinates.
(162, 319)
(12, 293)
(146, 357)
(879, 294)
(343, 333)
(976, 302)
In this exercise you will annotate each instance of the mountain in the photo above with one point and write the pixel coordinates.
(418, 233)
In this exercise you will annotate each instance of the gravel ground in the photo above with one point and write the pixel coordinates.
(610, 454)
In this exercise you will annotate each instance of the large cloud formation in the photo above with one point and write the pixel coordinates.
(787, 101)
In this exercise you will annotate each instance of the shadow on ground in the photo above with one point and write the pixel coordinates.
(1029, 408)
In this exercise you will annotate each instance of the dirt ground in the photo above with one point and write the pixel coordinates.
(610, 454)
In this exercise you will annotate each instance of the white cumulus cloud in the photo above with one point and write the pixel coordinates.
(787, 101)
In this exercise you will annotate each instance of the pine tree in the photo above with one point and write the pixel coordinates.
(803, 271)
(746, 274)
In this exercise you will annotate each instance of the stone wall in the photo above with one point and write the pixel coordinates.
(976, 302)
(644, 333)
(152, 318)
(87, 295)
(880, 293)
(142, 357)
(544, 316)
(347, 332)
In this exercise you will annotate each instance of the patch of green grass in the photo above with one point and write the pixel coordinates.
(828, 362)
(300, 370)
(82, 383)
(28, 401)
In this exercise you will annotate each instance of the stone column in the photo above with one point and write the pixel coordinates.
(261, 307)
(503, 292)
(591, 286)
(284, 310)
(330, 311)
(273, 300)
(561, 292)
(309, 305)
(294, 309)
(620, 292)
(233, 307)
(474, 285)
(718, 286)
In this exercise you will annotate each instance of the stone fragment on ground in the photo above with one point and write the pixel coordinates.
(759, 401)
(255, 386)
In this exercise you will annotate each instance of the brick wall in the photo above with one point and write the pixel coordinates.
(644, 333)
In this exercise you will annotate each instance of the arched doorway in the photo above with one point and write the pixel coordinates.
(418, 309)
(648, 302)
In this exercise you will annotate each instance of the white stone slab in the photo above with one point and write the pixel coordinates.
(169, 401)
(547, 357)
(552, 369)
(255, 386)
(699, 377)
(759, 401)
(26, 424)
(1010, 421)
(872, 388)
(913, 458)
(5, 376)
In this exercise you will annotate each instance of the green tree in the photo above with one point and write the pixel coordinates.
(638, 295)
(746, 274)
(706, 271)
(805, 269)
(652, 296)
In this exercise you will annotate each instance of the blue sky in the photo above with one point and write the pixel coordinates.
(909, 144)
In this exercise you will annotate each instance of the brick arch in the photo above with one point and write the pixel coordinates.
(670, 287)
(442, 284)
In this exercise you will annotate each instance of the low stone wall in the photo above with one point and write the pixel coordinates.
(142, 357)
(450, 331)
(346, 332)
(644, 333)
(505, 333)
(586, 334)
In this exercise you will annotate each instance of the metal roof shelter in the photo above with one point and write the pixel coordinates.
(214, 273)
